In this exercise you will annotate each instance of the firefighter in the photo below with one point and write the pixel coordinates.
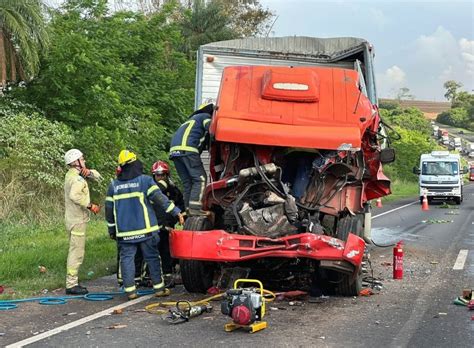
(161, 173)
(77, 207)
(186, 147)
(132, 221)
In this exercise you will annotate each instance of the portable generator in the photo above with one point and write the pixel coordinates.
(246, 307)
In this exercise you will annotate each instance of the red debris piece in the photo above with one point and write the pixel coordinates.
(366, 292)
(214, 290)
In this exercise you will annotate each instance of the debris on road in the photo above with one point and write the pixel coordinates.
(291, 295)
(435, 221)
(447, 206)
(117, 326)
(434, 262)
(366, 292)
(451, 213)
(118, 311)
(72, 313)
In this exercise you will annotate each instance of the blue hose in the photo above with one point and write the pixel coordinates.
(59, 300)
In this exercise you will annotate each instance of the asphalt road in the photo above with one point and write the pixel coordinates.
(416, 311)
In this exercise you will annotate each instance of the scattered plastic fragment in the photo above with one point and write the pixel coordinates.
(292, 295)
(118, 311)
(295, 303)
(451, 213)
(434, 262)
(434, 221)
(366, 292)
(42, 269)
(117, 326)
(72, 313)
(90, 273)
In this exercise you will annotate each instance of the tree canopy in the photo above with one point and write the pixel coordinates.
(23, 37)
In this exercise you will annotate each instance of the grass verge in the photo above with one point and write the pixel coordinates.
(26, 247)
(402, 189)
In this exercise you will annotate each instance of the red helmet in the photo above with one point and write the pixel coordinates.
(160, 168)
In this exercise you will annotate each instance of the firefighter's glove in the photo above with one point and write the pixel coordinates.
(94, 208)
(85, 173)
(181, 219)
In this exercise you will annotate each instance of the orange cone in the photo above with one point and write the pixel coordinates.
(424, 204)
(379, 203)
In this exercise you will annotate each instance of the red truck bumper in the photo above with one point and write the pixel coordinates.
(220, 246)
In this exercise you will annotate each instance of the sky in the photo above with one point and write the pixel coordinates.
(418, 44)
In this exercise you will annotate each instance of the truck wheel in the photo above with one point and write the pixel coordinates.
(197, 275)
(349, 285)
(458, 200)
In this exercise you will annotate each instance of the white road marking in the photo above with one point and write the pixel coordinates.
(390, 211)
(76, 323)
(461, 260)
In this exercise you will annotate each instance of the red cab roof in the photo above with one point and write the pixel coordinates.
(309, 107)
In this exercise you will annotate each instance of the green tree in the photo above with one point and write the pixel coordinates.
(409, 118)
(118, 80)
(451, 89)
(404, 94)
(23, 36)
(206, 22)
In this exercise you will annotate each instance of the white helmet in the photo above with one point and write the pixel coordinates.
(72, 155)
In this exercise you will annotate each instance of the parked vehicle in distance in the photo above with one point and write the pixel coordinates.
(440, 176)
(471, 173)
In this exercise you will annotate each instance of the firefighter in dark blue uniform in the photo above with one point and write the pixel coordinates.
(186, 146)
(161, 173)
(132, 221)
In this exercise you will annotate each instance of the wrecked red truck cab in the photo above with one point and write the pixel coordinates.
(295, 158)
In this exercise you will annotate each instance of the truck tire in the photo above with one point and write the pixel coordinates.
(197, 275)
(349, 285)
(458, 200)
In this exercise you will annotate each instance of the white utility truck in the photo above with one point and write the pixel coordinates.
(440, 176)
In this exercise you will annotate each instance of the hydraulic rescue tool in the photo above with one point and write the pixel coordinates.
(246, 307)
(185, 311)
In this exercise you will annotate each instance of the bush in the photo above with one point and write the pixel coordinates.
(31, 159)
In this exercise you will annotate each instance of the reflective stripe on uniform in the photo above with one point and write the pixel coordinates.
(141, 198)
(110, 225)
(164, 183)
(137, 232)
(130, 288)
(108, 198)
(170, 207)
(72, 271)
(159, 286)
(184, 148)
(206, 121)
(203, 184)
(184, 141)
(77, 233)
(151, 190)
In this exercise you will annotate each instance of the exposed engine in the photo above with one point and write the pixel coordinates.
(293, 193)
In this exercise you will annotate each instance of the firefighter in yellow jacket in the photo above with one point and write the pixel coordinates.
(77, 206)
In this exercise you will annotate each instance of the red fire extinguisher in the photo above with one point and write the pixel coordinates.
(398, 261)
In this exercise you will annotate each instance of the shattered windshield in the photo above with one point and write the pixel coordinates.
(439, 168)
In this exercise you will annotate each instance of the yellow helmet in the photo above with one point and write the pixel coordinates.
(125, 157)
